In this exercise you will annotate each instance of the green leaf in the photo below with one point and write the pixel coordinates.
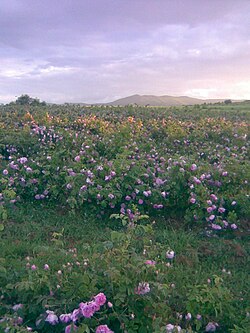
(3, 271)
(108, 245)
(124, 222)
(83, 329)
(116, 236)
(85, 279)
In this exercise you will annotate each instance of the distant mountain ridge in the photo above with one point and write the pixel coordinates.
(152, 100)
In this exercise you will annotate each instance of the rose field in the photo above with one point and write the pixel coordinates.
(124, 219)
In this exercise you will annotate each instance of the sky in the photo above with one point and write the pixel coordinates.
(100, 50)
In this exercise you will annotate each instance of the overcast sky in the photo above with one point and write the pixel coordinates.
(101, 50)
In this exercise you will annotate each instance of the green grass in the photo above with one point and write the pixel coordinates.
(31, 231)
(209, 274)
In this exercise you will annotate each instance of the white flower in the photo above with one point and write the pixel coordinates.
(169, 328)
(170, 254)
(51, 318)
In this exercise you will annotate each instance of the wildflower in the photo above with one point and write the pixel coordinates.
(68, 329)
(170, 254)
(13, 166)
(211, 217)
(233, 203)
(197, 181)
(179, 315)
(198, 317)
(193, 167)
(33, 267)
(225, 223)
(169, 328)
(100, 299)
(5, 172)
(75, 315)
(157, 206)
(16, 307)
(159, 181)
(188, 316)
(46, 267)
(77, 158)
(103, 329)
(23, 160)
(83, 188)
(110, 305)
(140, 201)
(51, 318)
(88, 309)
(143, 288)
(69, 186)
(213, 197)
(192, 200)
(234, 226)
(211, 327)
(150, 262)
(65, 318)
(216, 226)
(221, 210)
(209, 210)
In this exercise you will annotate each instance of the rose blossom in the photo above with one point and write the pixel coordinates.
(103, 329)
(51, 318)
(170, 254)
(100, 299)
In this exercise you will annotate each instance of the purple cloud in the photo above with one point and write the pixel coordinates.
(99, 50)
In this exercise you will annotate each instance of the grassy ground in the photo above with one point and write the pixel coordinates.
(51, 260)
(46, 233)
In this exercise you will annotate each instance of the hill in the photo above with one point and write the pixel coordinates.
(165, 100)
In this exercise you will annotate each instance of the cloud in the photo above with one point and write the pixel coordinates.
(91, 50)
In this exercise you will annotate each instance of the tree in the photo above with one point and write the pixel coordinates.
(228, 101)
(27, 100)
(24, 100)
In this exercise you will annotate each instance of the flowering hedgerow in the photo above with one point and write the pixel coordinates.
(137, 165)
(162, 166)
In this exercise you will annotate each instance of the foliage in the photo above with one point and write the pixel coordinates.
(27, 100)
(123, 174)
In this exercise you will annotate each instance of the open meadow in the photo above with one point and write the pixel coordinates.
(124, 219)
